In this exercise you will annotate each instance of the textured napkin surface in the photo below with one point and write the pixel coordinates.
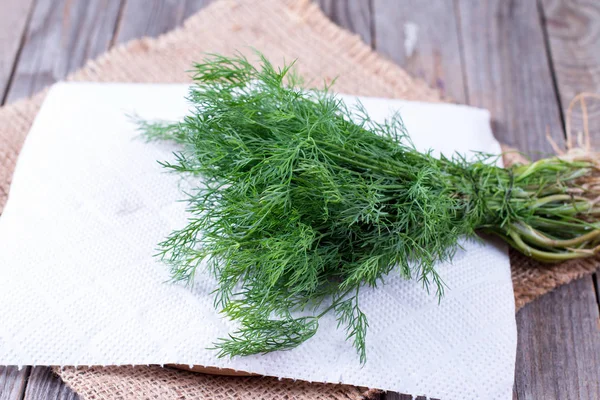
(86, 211)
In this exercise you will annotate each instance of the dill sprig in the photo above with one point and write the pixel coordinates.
(302, 201)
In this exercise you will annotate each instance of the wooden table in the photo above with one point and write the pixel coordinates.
(523, 60)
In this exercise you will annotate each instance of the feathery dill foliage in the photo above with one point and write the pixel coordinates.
(305, 201)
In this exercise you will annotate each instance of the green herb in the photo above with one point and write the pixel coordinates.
(304, 201)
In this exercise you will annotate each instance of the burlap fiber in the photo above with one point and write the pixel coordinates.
(282, 30)
(154, 382)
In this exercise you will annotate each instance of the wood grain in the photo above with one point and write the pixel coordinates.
(44, 384)
(573, 29)
(557, 358)
(13, 382)
(507, 72)
(564, 325)
(423, 40)
(211, 370)
(62, 35)
(151, 18)
(353, 15)
(397, 396)
(13, 20)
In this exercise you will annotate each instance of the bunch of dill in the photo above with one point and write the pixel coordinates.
(304, 201)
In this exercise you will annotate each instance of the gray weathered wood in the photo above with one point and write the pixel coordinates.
(13, 20)
(556, 358)
(397, 396)
(596, 279)
(423, 39)
(13, 382)
(151, 18)
(353, 15)
(62, 35)
(573, 35)
(573, 29)
(507, 72)
(44, 384)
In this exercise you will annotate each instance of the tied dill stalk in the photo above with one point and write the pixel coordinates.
(303, 201)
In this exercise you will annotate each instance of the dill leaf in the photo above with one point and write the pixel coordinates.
(305, 201)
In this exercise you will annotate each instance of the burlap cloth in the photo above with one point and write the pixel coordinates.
(281, 30)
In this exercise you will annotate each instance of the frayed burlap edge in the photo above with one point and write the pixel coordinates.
(154, 382)
(281, 30)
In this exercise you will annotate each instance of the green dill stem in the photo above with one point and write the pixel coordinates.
(361, 164)
(366, 162)
(335, 303)
(542, 240)
(549, 256)
(556, 197)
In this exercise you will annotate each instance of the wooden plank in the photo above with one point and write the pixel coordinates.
(45, 385)
(423, 39)
(596, 279)
(13, 382)
(151, 18)
(397, 396)
(353, 15)
(61, 37)
(556, 358)
(507, 72)
(573, 33)
(573, 30)
(13, 20)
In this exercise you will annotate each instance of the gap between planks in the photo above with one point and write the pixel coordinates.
(14, 21)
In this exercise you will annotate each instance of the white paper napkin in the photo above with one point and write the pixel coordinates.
(79, 284)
